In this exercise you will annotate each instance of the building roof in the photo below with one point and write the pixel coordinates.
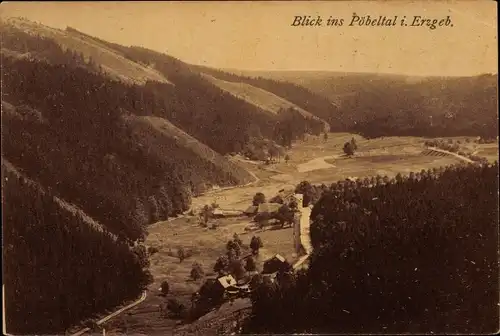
(227, 281)
(218, 212)
(280, 258)
(269, 207)
(274, 264)
(251, 209)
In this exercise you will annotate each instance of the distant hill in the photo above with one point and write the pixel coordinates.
(385, 104)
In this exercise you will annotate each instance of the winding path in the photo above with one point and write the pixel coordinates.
(461, 157)
(116, 313)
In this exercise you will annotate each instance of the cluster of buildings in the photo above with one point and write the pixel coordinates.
(241, 288)
(271, 267)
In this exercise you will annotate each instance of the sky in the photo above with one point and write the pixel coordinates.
(260, 35)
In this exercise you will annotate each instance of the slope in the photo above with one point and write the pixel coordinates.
(68, 129)
(235, 121)
(112, 63)
(47, 255)
(263, 99)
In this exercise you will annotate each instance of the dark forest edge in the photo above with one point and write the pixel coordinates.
(415, 253)
(47, 255)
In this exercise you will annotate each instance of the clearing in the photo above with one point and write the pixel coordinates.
(261, 98)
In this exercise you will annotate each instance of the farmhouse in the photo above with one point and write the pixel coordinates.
(276, 264)
(227, 281)
(219, 213)
(262, 208)
(251, 210)
(269, 208)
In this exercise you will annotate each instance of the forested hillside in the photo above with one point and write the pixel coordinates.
(86, 141)
(296, 94)
(431, 107)
(83, 148)
(59, 266)
(210, 114)
(387, 105)
(417, 254)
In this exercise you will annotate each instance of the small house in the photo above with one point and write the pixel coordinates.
(268, 208)
(218, 213)
(251, 210)
(227, 281)
(276, 264)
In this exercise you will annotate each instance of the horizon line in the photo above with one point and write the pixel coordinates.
(233, 69)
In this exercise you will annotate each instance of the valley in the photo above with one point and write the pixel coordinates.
(133, 179)
(387, 156)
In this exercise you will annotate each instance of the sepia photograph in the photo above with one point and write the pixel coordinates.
(250, 167)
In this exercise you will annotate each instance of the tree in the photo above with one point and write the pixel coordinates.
(237, 239)
(177, 309)
(256, 244)
(231, 254)
(206, 214)
(285, 215)
(221, 265)
(273, 152)
(354, 144)
(306, 189)
(348, 149)
(165, 288)
(256, 281)
(197, 271)
(211, 292)
(154, 214)
(152, 250)
(399, 178)
(142, 255)
(233, 246)
(259, 198)
(181, 254)
(262, 218)
(250, 264)
(325, 136)
(287, 158)
(237, 269)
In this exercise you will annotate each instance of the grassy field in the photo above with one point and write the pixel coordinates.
(324, 162)
(206, 246)
(320, 161)
(489, 151)
(263, 99)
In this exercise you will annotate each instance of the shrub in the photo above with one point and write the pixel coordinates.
(176, 309)
(165, 288)
(152, 250)
(197, 271)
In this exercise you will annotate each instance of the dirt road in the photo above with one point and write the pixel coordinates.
(461, 157)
